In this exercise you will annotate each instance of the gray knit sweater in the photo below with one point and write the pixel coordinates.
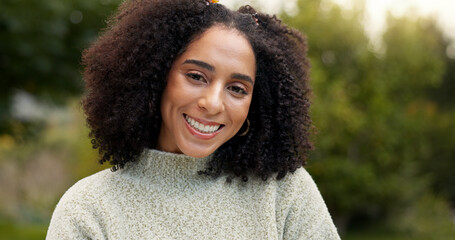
(162, 197)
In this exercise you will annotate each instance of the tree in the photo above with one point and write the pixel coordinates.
(373, 114)
(40, 47)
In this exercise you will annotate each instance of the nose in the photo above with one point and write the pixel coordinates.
(211, 99)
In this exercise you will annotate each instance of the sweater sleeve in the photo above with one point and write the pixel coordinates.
(308, 216)
(75, 217)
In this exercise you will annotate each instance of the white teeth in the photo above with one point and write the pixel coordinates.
(201, 127)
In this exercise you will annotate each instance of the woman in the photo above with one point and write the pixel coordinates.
(203, 112)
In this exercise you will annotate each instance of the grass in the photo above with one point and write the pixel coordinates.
(380, 233)
(9, 231)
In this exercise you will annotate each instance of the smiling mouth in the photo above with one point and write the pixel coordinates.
(202, 128)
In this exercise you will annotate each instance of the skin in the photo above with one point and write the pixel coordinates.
(211, 82)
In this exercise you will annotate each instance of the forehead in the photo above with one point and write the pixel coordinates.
(222, 36)
(222, 45)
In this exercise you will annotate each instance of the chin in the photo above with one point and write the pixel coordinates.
(198, 154)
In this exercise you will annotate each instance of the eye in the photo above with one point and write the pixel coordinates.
(238, 90)
(196, 77)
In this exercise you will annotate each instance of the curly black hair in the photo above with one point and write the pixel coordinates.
(125, 74)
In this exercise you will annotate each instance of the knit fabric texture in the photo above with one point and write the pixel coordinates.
(162, 196)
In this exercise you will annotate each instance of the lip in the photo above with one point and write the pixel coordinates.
(204, 136)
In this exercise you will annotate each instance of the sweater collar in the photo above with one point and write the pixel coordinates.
(155, 163)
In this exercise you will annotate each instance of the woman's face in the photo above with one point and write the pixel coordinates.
(208, 93)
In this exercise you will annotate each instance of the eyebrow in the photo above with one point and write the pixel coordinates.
(242, 77)
(200, 64)
(212, 69)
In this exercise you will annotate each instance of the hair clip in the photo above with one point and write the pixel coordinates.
(210, 1)
(255, 18)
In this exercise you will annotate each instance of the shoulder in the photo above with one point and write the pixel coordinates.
(305, 213)
(297, 191)
(96, 192)
(76, 215)
(300, 191)
(88, 188)
(84, 196)
(298, 183)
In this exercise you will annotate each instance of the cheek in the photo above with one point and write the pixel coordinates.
(239, 112)
(173, 93)
(168, 104)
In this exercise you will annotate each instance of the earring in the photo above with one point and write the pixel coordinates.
(247, 129)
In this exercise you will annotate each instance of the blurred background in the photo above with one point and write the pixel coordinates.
(383, 77)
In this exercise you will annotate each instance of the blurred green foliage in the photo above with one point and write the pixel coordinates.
(35, 173)
(385, 142)
(383, 116)
(40, 48)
